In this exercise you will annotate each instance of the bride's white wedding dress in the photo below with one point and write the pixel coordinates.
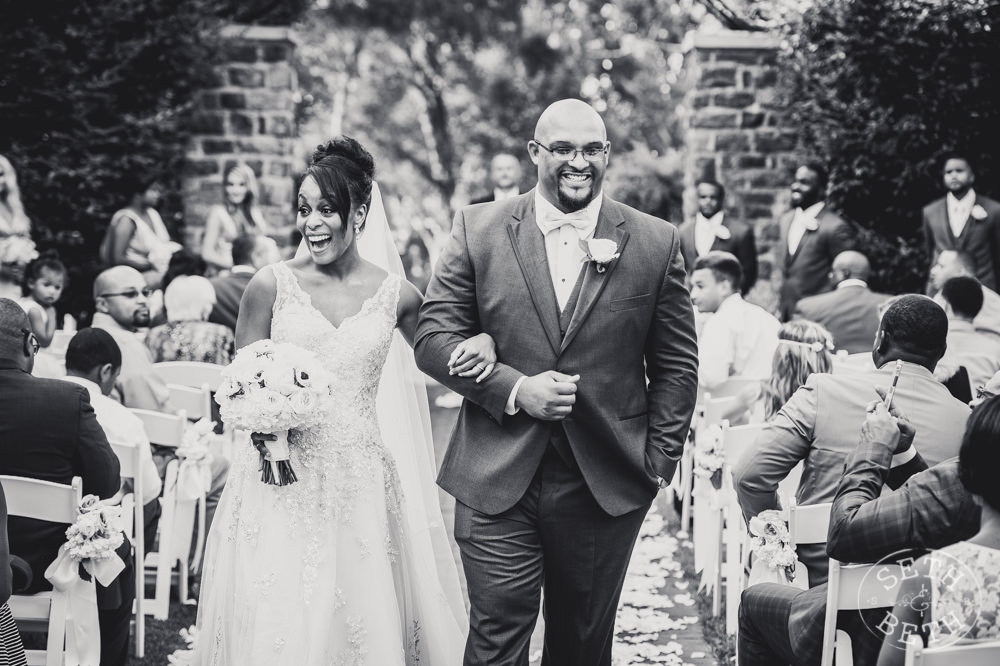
(328, 570)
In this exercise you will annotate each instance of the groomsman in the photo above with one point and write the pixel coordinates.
(965, 221)
(709, 231)
(811, 236)
(505, 174)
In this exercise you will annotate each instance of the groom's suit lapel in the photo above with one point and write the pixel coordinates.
(529, 248)
(610, 224)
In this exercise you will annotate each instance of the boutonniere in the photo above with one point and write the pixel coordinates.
(600, 252)
(979, 213)
(810, 224)
(723, 232)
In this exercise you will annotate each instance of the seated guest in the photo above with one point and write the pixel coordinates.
(850, 311)
(250, 254)
(815, 425)
(121, 301)
(950, 612)
(188, 335)
(48, 431)
(978, 353)
(738, 340)
(782, 625)
(953, 263)
(93, 361)
(804, 348)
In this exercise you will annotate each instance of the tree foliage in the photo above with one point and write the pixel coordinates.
(881, 90)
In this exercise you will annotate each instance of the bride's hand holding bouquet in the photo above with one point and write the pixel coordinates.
(269, 389)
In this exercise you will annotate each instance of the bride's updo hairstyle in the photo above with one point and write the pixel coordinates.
(344, 171)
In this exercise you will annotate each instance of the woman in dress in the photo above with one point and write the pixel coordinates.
(16, 246)
(137, 236)
(238, 216)
(350, 564)
(953, 594)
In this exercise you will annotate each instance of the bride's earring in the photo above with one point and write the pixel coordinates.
(357, 230)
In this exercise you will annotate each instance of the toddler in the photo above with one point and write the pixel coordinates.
(43, 285)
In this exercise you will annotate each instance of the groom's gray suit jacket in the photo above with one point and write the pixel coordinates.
(631, 322)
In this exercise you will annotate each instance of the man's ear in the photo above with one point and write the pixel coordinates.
(101, 305)
(105, 371)
(882, 340)
(533, 152)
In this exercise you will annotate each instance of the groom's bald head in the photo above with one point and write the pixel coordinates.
(569, 115)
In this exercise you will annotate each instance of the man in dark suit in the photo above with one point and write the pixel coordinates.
(965, 221)
(250, 254)
(811, 236)
(559, 452)
(709, 230)
(850, 311)
(779, 624)
(505, 174)
(48, 431)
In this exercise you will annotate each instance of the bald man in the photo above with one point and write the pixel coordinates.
(505, 174)
(850, 311)
(558, 453)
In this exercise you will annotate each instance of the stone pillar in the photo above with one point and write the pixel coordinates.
(248, 116)
(735, 133)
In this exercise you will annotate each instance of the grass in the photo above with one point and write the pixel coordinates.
(163, 637)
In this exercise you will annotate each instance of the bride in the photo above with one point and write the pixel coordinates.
(351, 564)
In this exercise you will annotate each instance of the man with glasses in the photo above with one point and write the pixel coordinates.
(48, 431)
(559, 451)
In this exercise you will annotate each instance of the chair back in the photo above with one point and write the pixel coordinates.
(982, 653)
(737, 439)
(43, 500)
(195, 402)
(189, 373)
(130, 463)
(717, 409)
(808, 523)
(163, 429)
(855, 587)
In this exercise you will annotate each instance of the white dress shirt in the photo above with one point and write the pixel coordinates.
(137, 386)
(706, 229)
(563, 251)
(501, 194)
(852, 282)
(800, 222)
(122, 426)
(738, 340)
(959, 211)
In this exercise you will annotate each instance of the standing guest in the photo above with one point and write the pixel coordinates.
(505, 174)
(544, 500)
(782, 625)
(16, 246)
(188, 335)
(11, 649)
(850, 311)
(815, 425)
(239, 215)
(966, 221)
(251, 252)
(48, 431)
(812, 235)
(978, 353)
(709, 231)
(953, 263)
(93, 361)
(137, 236)
(739, 339)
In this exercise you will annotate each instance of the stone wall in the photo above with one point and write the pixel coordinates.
(735, 134)
(247, 117)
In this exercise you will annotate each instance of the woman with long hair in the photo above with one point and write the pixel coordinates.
(238, 215)
(13, 221)
(804, 347)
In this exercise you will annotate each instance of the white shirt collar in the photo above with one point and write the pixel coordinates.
(242, 269)
(852, 282)
(732, 300)
(812, 211)
(714, 221)
(543, 208)
(91, 387)
(499, 194)
(967, 201)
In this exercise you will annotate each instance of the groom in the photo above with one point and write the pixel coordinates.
(557, 455)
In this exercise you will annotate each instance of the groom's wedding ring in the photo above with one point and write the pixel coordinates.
(479, 367)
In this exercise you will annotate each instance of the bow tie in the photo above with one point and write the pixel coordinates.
(554, 219)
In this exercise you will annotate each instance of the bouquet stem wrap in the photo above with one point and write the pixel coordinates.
(275, 467)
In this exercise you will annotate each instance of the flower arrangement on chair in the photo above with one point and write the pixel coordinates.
(771, 544)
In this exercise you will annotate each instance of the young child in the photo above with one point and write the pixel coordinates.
(43, 285)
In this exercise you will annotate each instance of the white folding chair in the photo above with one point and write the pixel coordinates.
(174, 530)
(808, 523)
(982, 653)
(189, 373)
(159, 564)
(855, 587)
(130, 462)
(195, 401)
(43, 611)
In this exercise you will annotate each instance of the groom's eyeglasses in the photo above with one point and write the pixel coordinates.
(567, 153)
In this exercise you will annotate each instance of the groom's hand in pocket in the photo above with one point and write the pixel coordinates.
(548, 396)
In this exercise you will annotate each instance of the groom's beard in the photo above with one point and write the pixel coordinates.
(574, 200)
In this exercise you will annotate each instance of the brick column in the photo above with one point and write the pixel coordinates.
(247, 117)
(735, 134)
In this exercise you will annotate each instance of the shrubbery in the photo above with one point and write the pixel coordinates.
(881, 89)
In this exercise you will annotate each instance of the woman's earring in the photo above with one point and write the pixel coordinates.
(357, 230)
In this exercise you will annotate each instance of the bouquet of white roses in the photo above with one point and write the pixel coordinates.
(272, 387)
(771, 543)
(95, 535)
(709, 455)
